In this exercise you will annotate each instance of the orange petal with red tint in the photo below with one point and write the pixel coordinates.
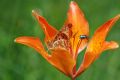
(63, 60)
(77, 19)
(49, 31)
(34, 43)
(79, 26)
(110, 45)
(97, 44)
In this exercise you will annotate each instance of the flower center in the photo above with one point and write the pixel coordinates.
(65, 39)
(61, 40)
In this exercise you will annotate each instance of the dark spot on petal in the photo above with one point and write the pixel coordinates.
(69, 25)
(64, 36)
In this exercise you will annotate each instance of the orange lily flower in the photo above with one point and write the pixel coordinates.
(64, 45)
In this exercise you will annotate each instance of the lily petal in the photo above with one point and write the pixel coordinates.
(34, 43)
(97, 44)
(110, 45)
(77, 19)
(61, 59)
(79, 26)
(49, 31)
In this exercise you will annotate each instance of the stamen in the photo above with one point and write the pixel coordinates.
(74, 39)
(79, 43)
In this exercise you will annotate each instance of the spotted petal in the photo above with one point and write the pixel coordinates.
(97, 44)
(59, 58)
(49, 31)
(79, 27)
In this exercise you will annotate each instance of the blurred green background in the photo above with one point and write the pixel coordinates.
(18, 62)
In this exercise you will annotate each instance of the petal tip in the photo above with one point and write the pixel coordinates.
(18, 40)
(117, 46)
(118, 16)
(22, 39)
(73, 3)
(114, 45)
(15, 40)
(34, 13)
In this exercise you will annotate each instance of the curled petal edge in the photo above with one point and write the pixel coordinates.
(49, 31)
